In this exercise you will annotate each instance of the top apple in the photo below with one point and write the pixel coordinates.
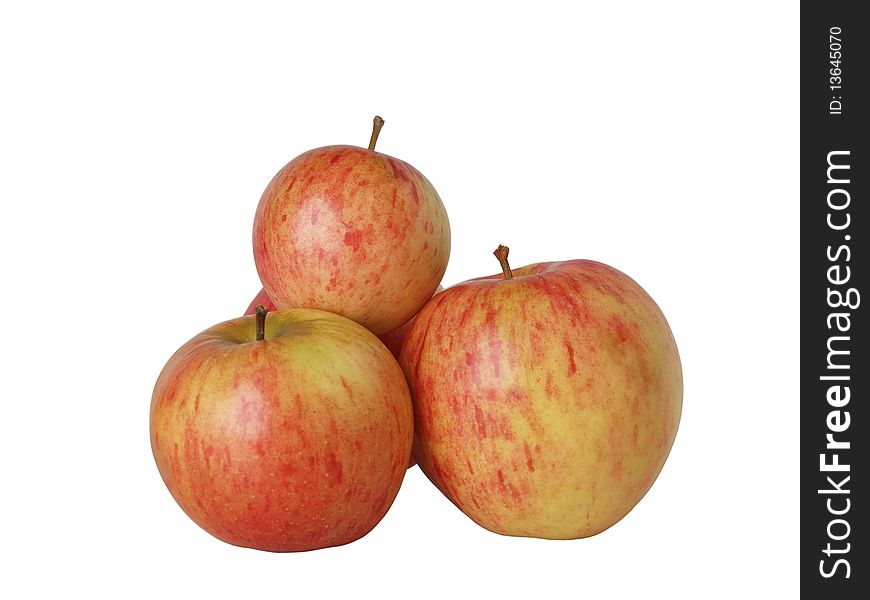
(354, 232)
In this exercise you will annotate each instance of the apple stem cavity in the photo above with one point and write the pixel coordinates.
(261, 322)
(376, 131)
(501, 253)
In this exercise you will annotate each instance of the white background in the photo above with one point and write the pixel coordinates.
(661, 138)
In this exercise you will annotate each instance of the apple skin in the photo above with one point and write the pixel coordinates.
(354, 232)
(545, 405)
(295, 442)
(393, 340)
(396, 338)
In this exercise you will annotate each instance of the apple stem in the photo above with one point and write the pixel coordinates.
(501, 253)
(261, 322)
(376, 131)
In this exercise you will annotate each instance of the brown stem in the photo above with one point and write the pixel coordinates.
(501, 253)
(261, 322)
(376, 131)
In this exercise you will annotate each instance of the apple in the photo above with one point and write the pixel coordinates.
(392, 339)
(546, 398)
(284, 434)
(352, 231)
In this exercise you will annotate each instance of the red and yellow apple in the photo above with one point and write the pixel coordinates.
(352, 231)
(546, 399)
(292, 440)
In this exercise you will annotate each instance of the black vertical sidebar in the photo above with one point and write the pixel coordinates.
(835, 301)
